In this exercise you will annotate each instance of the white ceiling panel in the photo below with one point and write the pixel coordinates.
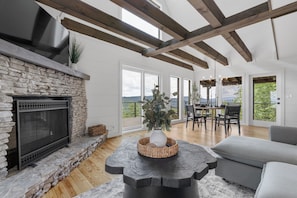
(231, 7)
(286, 35)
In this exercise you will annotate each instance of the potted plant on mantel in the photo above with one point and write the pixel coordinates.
(157, 116)
(74, 53)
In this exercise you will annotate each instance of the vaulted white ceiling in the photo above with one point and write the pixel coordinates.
(272, 40)
(258, 37)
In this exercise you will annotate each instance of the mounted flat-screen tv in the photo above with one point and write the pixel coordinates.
(26, 24)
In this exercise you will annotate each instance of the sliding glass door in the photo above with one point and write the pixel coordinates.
(187, 93)
(135, 85)
(175, 97)
(150, 81)
(131, 97)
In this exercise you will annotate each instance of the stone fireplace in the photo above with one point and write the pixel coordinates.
(24, 74)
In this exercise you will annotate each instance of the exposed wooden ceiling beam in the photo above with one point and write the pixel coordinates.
(156, 17)
(245, 18)
(212, 13)
(235, 41)
(210, 52)
(92, 15)
(86, 30)
(209, 10)
(273, 32)
(183, 55)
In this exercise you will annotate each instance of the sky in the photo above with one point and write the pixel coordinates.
(139, 23)
(230, 91)
(132, 83)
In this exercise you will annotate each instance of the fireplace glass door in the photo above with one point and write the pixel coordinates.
(42, 127)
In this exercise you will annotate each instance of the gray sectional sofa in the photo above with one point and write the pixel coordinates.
(249, 161)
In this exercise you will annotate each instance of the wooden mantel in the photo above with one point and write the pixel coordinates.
(15, 51)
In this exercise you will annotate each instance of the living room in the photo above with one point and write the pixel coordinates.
(102, 62)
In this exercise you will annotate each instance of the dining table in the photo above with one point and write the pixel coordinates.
(213, 109)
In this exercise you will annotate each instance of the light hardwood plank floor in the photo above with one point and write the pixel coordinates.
(91, 172)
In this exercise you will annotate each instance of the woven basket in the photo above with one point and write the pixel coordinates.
(150, 150)
(97, 130)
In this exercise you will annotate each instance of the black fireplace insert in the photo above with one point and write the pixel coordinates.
(42, 127)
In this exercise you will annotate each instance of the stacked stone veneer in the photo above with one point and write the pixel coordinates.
(18, 78)
(35, 182)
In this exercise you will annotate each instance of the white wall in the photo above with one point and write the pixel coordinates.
(102, 61)
(290, 94)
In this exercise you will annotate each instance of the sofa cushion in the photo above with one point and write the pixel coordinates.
(278, 180)
(255, 151)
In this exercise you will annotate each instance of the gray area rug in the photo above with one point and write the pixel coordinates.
(210, 186)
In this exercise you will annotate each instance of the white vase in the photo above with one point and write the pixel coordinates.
(74, 66)
(158, 138)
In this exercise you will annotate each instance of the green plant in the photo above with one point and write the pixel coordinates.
(157, 115)
(75, 51)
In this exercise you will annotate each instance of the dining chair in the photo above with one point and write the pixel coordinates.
(194, 116)
(200, 110)
(230, 116)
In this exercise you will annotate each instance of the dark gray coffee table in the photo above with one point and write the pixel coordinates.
(173, 177)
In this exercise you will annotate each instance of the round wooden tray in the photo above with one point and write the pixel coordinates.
(150, 150)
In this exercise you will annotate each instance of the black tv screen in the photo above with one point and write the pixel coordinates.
(26, 24)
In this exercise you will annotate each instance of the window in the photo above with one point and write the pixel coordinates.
(150, 81)
(187, 94)
(232, 90)
(208, 92)
(174, 96)
(139, 23)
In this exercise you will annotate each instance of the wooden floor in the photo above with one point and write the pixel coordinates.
(90, 173)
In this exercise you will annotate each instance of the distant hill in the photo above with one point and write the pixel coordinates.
(131, 99)
(137, 99)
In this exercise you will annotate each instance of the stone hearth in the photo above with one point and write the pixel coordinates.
(36, 181)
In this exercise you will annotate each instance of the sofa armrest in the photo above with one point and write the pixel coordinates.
(283, 134)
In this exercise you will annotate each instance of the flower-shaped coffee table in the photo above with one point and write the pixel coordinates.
(161, 178)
